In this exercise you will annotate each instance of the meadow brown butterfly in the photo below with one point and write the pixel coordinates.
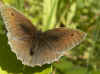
(34, 47)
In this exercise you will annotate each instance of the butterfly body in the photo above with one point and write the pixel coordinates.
(34, 47)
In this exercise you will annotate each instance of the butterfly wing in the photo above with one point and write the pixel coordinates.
(16, 22)
(55, 43)
(20, 32)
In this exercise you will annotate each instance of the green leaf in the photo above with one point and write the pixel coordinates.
(46, 71)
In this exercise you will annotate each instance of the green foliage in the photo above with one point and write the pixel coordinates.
(48, 14)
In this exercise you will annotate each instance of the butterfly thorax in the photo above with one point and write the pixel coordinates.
(39, 35)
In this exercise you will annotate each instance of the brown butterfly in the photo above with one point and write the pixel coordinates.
(34, 47)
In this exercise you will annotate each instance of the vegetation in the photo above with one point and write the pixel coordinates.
(48, 14)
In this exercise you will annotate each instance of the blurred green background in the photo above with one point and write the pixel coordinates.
(49, 14)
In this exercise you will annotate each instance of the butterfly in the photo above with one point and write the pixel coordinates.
(35, 47)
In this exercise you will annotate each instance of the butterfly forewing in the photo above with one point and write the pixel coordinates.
(15, 22)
